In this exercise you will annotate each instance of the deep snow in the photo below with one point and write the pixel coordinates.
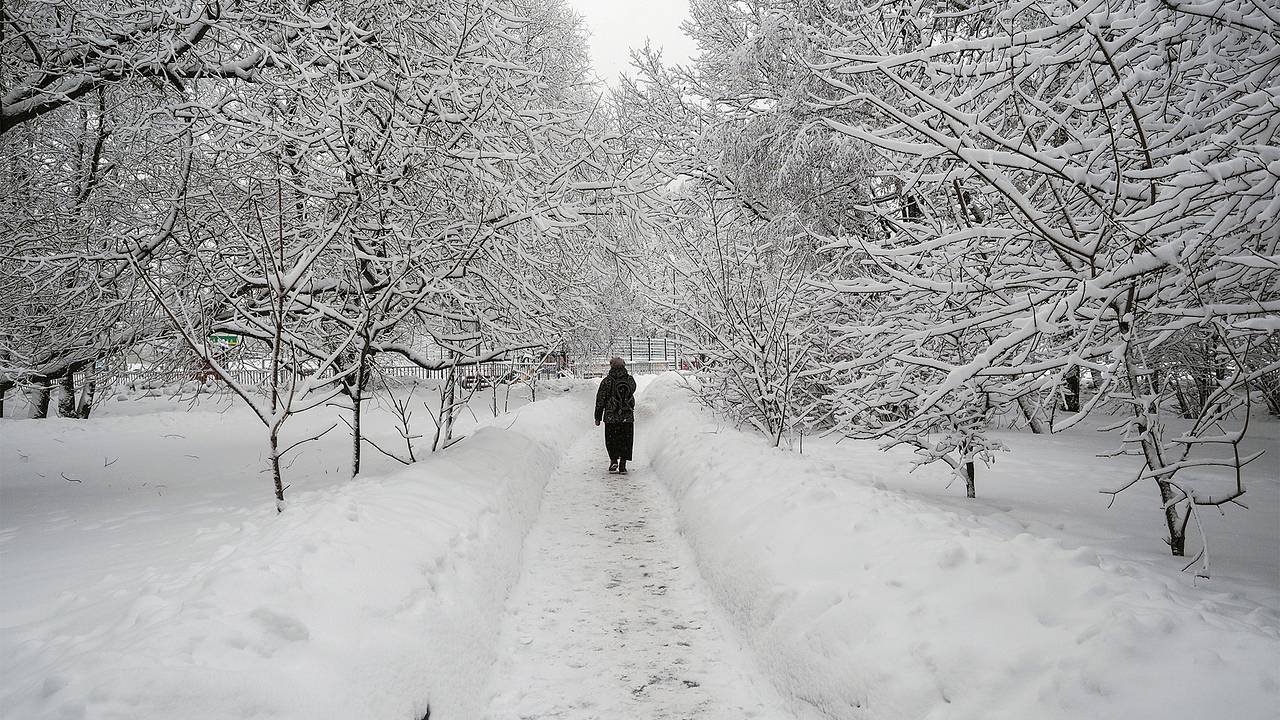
(146, 575)
(868, 602)
(1051, 486)
(163, 584)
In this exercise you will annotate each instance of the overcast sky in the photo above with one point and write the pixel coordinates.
(618, 25)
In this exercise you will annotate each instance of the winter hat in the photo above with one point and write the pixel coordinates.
(617, 363)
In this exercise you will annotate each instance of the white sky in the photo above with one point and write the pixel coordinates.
(618, 25)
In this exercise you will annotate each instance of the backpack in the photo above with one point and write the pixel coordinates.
(619, 402)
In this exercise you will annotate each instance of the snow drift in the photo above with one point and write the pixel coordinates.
(866, 603)
(369, 599)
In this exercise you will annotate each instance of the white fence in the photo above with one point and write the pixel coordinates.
(504, 371)
(638, 350)
(643, 355)
(600, 367)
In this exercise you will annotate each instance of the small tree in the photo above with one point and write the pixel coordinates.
(739, 299)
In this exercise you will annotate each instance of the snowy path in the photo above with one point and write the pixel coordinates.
(610, 618)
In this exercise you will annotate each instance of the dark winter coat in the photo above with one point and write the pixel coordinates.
(616, 397)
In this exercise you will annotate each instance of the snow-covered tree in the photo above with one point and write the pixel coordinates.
(366, 179)
(80, 189)
(751, 187)
(737, 301)
(1076, 187)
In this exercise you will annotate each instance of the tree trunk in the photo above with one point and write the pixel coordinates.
(276, 475)
(1154, 456)
(782, 423)
(1153, 453)
(4, 390)
(86, 399)
(355, 433)
(970, 480)
(1184, 402)
(1177, 533)
(1073, 390)
(67, 397)
(451, 390)
(357, 399)
(444, 429)
(1030, 412)
(39, 396)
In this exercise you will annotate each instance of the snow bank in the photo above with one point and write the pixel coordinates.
(866, 603)
(368, 599)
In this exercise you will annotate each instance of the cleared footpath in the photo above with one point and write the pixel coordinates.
(610, 618)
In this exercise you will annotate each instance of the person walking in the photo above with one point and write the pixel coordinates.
(615, 405)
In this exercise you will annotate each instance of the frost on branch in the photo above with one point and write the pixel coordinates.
(363, 180)
(1072, 188)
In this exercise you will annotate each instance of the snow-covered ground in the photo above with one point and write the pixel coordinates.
(611, 618)
(157, 581)
(144, 573)
(870, 595)
(1051, 486)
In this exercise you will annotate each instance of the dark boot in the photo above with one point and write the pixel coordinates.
(613, 465)
(622, 467)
